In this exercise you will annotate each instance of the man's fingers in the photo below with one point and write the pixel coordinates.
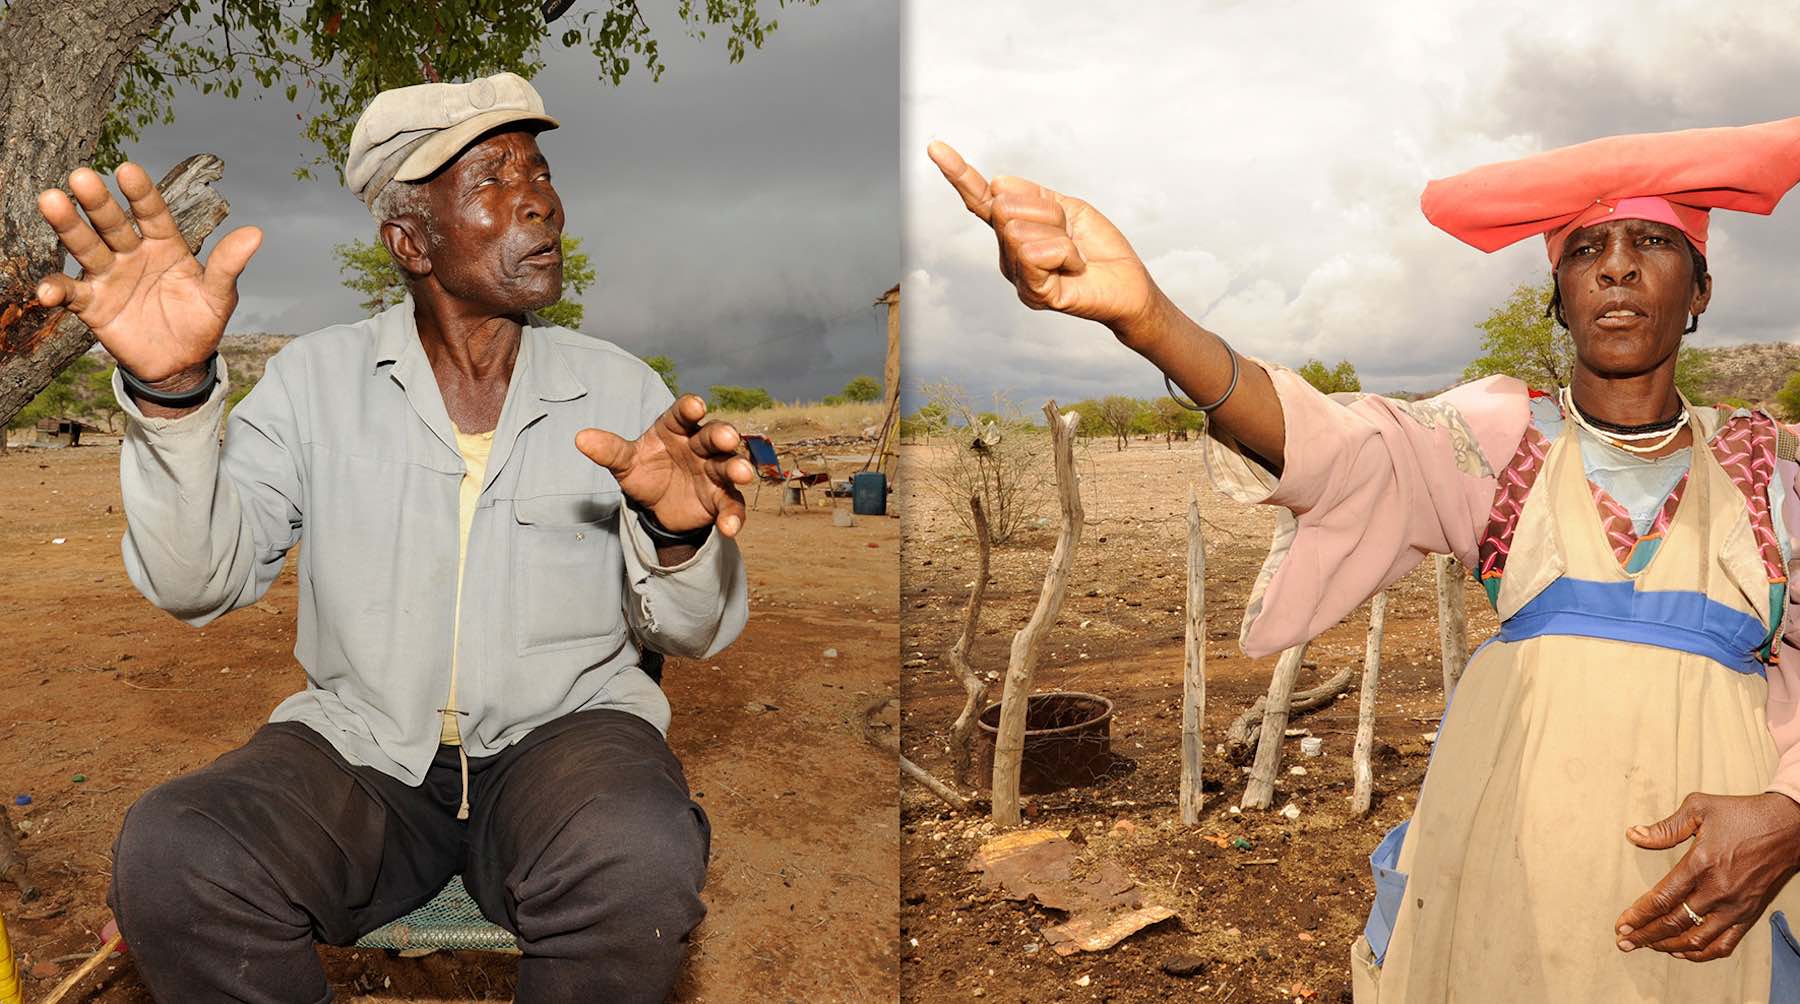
(967, 181)
(683, 417)
(228, 260)
(59, 211)
(154, 220)
(1028, 206)
(715, 439)
(61, 290)
(1670, 830)
(1691, 937)
(731, 513)
(607, 449)
(730, 472)
(103, 210)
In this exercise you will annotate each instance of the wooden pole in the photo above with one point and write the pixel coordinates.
(1365, 709)
(1260, 792)
(1009, 744)
(890, 381)
(974, 687)
(1453, 622)
(1193, 677)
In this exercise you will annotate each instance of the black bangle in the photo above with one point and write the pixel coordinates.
(662, 536)
(182, 399)
(1190, 405)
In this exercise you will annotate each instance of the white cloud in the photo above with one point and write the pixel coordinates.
(1266, 161)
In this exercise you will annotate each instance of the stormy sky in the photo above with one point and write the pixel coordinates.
(1266, 159)
(742, 218)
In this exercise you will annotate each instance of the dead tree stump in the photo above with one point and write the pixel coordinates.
(974, 687)
(1009, 744)
(1260, 792)
(1360, 767)
(1193, 676)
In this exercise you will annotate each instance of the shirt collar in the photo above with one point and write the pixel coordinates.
(541, 370)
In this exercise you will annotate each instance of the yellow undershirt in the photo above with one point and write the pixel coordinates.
(474, 449)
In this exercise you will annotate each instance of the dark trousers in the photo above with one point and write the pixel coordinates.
(581, 840)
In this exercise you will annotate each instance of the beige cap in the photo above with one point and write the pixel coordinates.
(408, 132)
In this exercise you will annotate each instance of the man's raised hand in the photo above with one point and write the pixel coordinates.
(1059, 252)
(685, 472)
(141, 291)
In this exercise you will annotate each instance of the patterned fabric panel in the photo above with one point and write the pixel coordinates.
(1744, 447)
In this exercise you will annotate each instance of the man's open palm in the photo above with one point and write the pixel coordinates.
(144, 295)
(685, 472)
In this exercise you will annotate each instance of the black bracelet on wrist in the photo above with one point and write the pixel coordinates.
(662, 536)
(182, 399)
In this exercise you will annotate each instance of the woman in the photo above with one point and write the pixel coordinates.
(1635, 547)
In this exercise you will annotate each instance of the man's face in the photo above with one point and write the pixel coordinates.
(1627, 291)
(495, 239)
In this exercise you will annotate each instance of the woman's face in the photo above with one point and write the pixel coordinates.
(1628, 290)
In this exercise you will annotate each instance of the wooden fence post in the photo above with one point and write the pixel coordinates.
(974, 687)
(1453, 622)
(1193, 677)
(1009, 744)
(1360, 767)
(1260, 792)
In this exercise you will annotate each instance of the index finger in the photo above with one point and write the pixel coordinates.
(154, 220)
(967, 181)
(683, 417)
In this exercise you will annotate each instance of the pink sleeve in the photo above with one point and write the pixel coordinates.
(1372, 485)
(1784, 676)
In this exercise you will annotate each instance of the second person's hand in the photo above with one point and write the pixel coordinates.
(1059, 252)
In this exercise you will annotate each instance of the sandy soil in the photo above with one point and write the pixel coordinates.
(1271, 924)
(803, 884)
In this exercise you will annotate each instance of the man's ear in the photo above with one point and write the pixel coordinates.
(405, 241)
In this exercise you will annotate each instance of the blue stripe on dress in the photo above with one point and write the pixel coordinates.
(1675, 618)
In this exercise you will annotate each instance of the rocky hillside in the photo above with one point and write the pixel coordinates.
(1752, 372)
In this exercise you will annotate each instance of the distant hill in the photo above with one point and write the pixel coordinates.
(245, 355)
(1753, 372)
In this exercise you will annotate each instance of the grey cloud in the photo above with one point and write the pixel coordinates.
(741, 217)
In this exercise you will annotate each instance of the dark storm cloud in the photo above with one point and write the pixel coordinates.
(741, 217)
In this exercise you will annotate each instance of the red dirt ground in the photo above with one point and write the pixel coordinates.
(803, 883)
(1272, 924)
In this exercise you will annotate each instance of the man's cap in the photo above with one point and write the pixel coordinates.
(408, 132)
(1670, 177)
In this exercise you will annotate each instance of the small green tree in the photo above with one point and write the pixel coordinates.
(1787, 399)
(1519, 340)
(1172, 420)
(1339, 379)
(1117, 414)
(728, 398)
(368, 269)
(863, 388)
(665, 368)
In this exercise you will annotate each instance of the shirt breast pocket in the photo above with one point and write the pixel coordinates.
(568, 574)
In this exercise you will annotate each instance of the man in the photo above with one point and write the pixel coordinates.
(489, 562)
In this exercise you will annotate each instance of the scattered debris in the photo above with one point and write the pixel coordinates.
(1105, 905)
(1185, 966)
(831, 653)
(1291, 811)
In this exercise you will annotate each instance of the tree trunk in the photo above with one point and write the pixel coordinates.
(1260, 792)
(1244, 735)
(1453, 622)
(974, 687)
(60, 63)
(1193, 677)
(1009, 744)
(1360, 767)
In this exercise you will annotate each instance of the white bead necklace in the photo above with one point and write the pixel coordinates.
(1627, 441)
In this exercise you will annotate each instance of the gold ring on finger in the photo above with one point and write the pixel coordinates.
(1696, 918)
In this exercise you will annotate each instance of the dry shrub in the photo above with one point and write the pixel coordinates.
(999, 455)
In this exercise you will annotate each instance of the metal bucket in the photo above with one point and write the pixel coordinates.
(1068, 742)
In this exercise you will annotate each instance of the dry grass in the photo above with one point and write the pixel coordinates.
(800, 420)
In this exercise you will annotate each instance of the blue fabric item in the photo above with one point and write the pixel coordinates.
(1390, 889)
(1674, 618)
(1784, 965)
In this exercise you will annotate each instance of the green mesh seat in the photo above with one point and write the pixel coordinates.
(450, 922)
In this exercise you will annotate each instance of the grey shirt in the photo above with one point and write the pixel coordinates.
(346, 442)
